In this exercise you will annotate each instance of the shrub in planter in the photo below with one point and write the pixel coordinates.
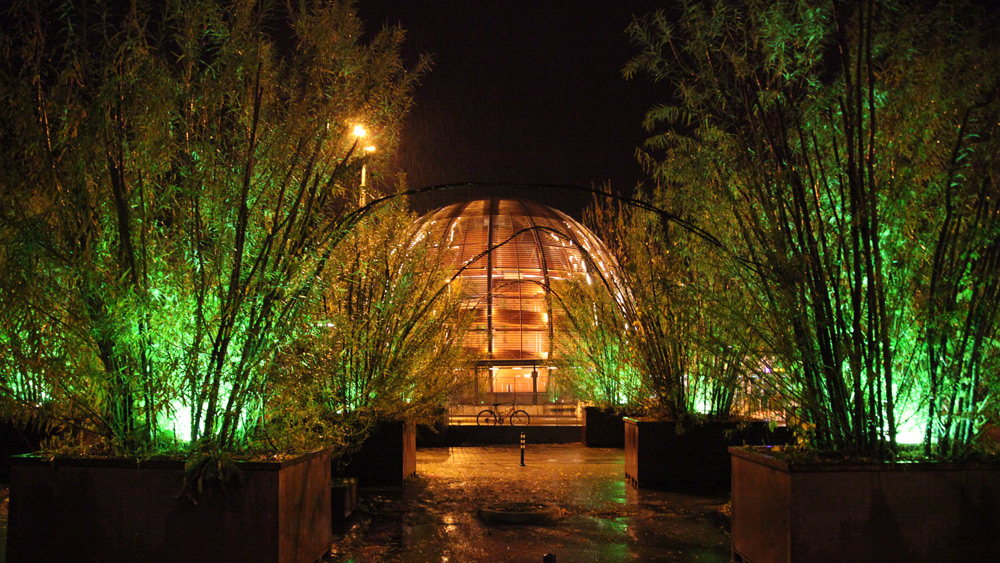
(434, 432)
(388, 454)
(153, 282)
(181, 184)
(648, 332)
(882, 313)
(868, 229)
(643, 340)
(594, 362)
(692, 457)
(603, 428)
(385, 356)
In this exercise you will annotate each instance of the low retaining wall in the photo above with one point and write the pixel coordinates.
(475, 435)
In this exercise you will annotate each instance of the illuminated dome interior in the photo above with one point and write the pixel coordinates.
(515, 321)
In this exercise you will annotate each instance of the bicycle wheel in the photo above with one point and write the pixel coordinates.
(486, 418)
(520, 418)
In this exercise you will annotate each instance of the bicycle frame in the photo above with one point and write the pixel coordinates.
(496, 416)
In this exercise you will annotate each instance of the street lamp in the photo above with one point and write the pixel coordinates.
(359, 132)
(369, 149)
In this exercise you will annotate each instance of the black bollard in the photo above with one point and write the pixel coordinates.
(522, 449)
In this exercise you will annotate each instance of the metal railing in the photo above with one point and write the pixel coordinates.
(541, 415)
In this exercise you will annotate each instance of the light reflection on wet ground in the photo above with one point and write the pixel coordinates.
(434, 518)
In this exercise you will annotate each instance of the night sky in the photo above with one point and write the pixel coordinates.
(521, 92)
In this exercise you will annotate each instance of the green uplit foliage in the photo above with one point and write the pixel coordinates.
(847, 152)
(596, 361)
(176, 178)
(650, 327)
(386, 337)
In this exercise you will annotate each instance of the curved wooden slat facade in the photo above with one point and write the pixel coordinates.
(516, 318)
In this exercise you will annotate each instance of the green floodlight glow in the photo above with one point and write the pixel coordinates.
(180, 423)
(623, 398)
(909, 434)
(702, 401)
(177, 422)
(911, 421)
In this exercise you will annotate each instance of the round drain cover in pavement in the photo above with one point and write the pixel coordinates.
(519, 513)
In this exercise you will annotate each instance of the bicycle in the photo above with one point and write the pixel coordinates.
(514, 415)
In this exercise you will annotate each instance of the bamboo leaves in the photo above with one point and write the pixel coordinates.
(192, 173)
(813, 119)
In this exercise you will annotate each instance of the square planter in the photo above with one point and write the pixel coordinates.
(434, 433)
(863, 512)
(603, 428)
(124, 510)
(343, 498)
(693, 458)
(388, 455)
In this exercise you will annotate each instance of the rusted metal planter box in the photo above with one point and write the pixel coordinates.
(434, 434)
(603, 428)
(122, 510)
(343, 498)
(690, 459)
(388, 455)
(871, 512)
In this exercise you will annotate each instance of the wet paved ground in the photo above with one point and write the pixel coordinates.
(433, 518)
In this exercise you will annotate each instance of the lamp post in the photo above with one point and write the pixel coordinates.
(359, 132)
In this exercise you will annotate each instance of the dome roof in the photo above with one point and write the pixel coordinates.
(533, 246)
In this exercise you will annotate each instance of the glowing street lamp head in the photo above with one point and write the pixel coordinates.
(359, 131)
(370, 148)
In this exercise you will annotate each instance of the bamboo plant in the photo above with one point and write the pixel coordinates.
(387, 336)
(849, 150)
(177, 179)
(648, 322)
